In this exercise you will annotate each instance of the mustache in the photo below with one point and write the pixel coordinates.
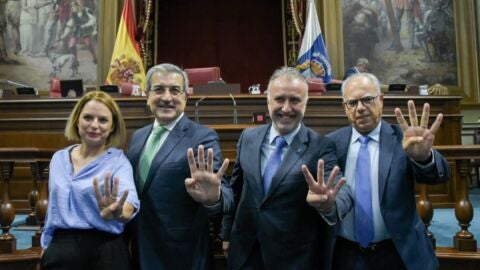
(163, 104)
(290, 114)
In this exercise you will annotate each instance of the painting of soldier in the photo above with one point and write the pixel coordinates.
(48, 39)
(403, 39)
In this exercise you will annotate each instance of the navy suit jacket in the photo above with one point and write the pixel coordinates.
(289, 232)
(396, 182)
(171, 230)
(350, 72)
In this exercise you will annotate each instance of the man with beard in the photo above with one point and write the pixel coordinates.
(282, 214)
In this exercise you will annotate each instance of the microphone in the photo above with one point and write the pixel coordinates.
(235, 116)
(196, 109)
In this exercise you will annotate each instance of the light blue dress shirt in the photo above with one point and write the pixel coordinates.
(72, 203)
(268, 145)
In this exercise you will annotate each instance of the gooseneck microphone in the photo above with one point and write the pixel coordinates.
(235, 116)
(196, 109)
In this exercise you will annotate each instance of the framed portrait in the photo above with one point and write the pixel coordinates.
(46, 39)
(413, 42)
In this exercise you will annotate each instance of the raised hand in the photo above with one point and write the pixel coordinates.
(418, 139)
(203, 184)
(110, 207)
(322, 196)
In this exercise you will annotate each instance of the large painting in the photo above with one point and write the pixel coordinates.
(43, 39)
(405, 41)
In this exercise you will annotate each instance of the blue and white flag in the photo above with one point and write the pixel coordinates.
(313, 59)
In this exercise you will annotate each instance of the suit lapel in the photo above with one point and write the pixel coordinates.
(135, 151)
(291, 158)
(256, 149)
(342, 147)
(388, 141)
(175, 136)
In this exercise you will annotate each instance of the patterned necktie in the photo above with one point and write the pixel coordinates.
(273, 163)
(363, 196)
(151, 148)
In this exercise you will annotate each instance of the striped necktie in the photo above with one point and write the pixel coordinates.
(151, 148)
(273, 163)
(363, 196)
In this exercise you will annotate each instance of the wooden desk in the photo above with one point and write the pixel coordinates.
(40, 122)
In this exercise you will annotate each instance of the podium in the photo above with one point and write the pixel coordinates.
(219, 89)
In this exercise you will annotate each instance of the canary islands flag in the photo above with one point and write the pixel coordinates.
(126, 65)
(313, 59)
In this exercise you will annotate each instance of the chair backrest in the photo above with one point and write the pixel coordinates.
(315, 85)
(55, 88)
(203, 75)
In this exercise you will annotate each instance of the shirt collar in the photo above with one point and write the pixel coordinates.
(374, 134)
(170, 125)
(288, 138)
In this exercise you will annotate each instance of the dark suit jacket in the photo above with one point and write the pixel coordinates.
(171, 230)
(396, 182)
(350, 72)
(287, 229)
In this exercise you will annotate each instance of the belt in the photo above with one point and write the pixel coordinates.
(372, 247)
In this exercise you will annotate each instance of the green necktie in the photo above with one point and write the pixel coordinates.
(151, 148)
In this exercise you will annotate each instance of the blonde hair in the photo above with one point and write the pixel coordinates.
(118, 133)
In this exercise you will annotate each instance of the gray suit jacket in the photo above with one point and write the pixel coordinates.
(396, 182)
(290, 233)
(171, 230)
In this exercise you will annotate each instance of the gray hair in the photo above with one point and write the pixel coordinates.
(166, 68)
(288, 72)
(362, 61)
(373, 79)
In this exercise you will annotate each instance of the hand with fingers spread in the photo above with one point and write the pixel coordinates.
(111, 208)
(322, 196)
(203, 184)
(418, 138)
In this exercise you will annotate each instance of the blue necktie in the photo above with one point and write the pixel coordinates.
(273, 163)
(363, 196)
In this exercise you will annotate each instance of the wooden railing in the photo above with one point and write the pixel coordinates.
(463, 253)
(38, 160)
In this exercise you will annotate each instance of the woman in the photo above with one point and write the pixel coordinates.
(86, 217)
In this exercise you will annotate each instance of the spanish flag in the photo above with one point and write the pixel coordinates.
(126, 65)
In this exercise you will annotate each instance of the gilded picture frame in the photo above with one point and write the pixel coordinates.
(48, 39)
(466, 51)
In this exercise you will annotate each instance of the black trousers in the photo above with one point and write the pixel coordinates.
(349, 255)
(86, 249)
(254, 260)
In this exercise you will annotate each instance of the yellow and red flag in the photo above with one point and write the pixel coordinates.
(126, 65)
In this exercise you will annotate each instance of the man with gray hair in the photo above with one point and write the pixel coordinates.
(178, 171)
(382, 162)
(361, 66)
(280, 207)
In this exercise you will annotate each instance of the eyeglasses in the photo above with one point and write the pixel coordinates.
(353, 103)
(174, 90)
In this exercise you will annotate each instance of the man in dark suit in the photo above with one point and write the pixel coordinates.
(278, 218)
(177, 195)
(393, 235)
(361, 66)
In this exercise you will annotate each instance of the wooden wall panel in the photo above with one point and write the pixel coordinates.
(243, 38)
